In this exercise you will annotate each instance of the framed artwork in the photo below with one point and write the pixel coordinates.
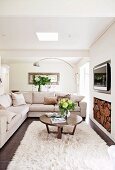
(55, 77)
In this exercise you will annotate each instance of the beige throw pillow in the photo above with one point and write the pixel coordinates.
(18, 99)
(50, 100)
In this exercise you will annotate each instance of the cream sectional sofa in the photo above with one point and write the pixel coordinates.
(34, 107)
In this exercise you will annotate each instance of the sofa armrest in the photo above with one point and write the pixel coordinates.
(3, 128)
(83, 107)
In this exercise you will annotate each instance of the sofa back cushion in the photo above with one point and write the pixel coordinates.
(5, 100)
(27, 96)
(38, 97)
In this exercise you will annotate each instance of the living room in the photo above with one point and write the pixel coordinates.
(70, 63)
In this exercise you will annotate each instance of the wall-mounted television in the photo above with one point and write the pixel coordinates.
(102, 76)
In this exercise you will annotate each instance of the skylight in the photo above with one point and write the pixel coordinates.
(47, 36)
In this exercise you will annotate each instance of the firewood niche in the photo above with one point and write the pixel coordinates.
(102, 113)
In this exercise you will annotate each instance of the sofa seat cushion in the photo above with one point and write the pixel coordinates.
(77, 109)
(41, 108)
(13, 122)
(10, 115)
(23, 109)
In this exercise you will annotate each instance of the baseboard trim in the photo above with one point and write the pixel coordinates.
(101, 133)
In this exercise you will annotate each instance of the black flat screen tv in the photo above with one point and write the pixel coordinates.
(102, 77)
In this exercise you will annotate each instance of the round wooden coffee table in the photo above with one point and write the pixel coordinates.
(73, 120)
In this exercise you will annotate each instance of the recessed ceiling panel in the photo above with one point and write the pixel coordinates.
(74, 33)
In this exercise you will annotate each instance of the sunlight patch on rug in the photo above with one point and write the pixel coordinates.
(38, 150)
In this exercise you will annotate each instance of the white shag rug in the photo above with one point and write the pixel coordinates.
(38, 150)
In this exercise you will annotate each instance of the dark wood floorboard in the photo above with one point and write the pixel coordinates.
(7, 152)
(101, 133)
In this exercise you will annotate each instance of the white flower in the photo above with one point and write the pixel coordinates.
(37, 79)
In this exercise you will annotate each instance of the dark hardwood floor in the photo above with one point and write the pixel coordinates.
(7, 152)
(101, 133)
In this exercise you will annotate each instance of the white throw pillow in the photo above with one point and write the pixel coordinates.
(76, 98)
(18, 99)
(10, 115)
(6, 100)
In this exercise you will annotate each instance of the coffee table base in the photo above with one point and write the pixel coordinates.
(60, 131)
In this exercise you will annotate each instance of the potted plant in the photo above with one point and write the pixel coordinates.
(41, 80)
(65, 105)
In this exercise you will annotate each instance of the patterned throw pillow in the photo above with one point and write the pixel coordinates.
(63, 97)
(76, 98)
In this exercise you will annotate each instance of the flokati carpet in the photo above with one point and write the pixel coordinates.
(38, 150)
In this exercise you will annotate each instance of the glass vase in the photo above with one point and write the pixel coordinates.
(65, 114)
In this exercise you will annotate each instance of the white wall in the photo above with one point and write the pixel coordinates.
(83, 90)
(21, 61)
(101, 51)
(4, 75)
(82, 62)
(34, 54)
(19, 75)
(0, 77)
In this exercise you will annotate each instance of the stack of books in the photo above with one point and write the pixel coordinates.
(58, 120)
(55, 117)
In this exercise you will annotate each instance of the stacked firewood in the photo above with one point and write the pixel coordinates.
(102, 113)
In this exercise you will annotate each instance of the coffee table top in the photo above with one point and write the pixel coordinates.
(72, 120)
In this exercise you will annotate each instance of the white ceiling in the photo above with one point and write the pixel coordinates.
(20, 20)
(74, 33)
(71, 8)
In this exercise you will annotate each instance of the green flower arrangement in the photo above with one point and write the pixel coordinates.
(41, 80)
(66, 105)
